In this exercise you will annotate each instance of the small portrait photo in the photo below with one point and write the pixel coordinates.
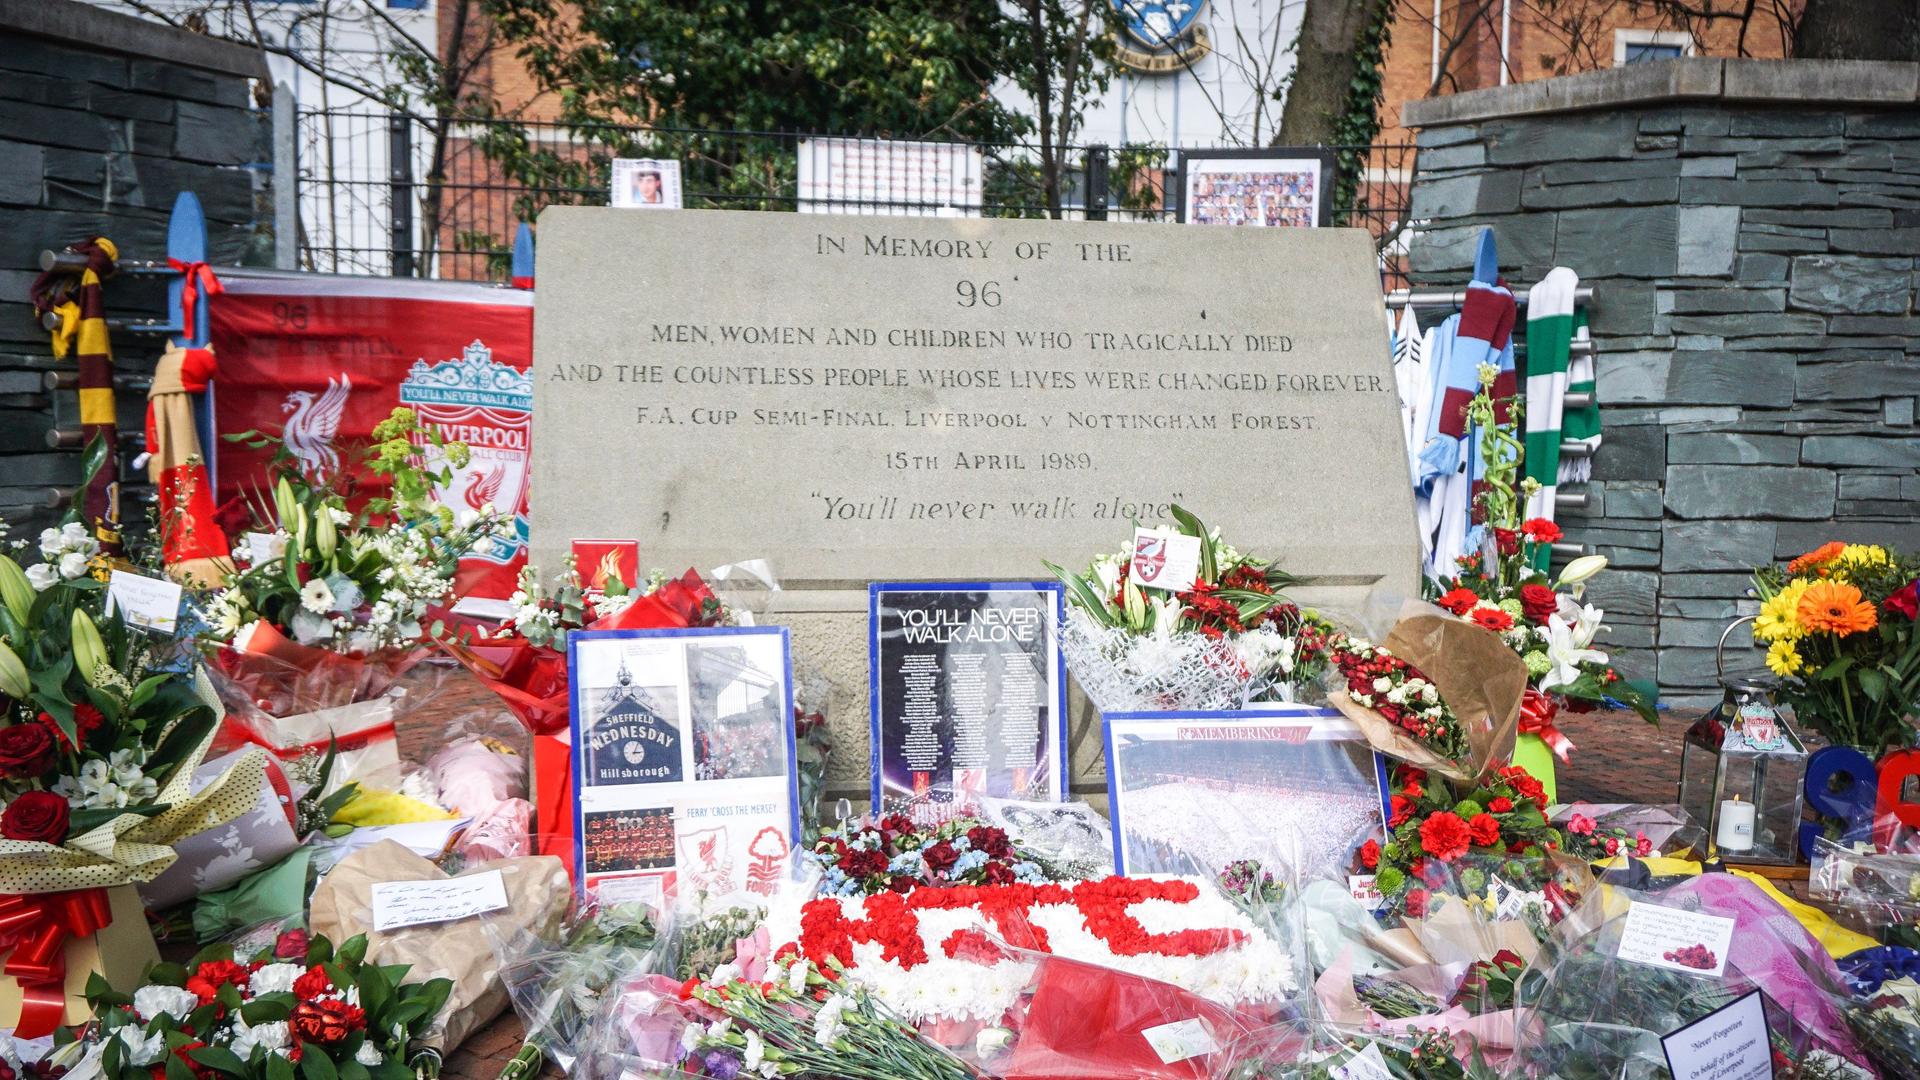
(1268, 191)
(646, 184)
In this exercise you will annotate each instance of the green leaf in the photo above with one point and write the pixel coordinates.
(375, 990)
(221, 1058)
(168, 974)
(319, 950)
(279, 1068)
(267, 1009)
(353, 952)
(353, 1070)
(316, 1065)
(1872, 683)
(1192, 526)
(177, 1069)
(91, 461)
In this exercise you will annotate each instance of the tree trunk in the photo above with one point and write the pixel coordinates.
(1859, 30)
(1325, 63)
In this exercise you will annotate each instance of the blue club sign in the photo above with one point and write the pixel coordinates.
(1159, 36)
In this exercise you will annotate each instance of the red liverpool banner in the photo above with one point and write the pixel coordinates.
(324, 359)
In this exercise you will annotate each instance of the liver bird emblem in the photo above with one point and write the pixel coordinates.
(314, 423)
(483, 487)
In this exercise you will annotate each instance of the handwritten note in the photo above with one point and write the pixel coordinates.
(146, 602)
(1181, 1040)
(398, 904)
(1688, 941)
(1729, 1043)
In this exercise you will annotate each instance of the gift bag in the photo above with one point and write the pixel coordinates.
(212, 860)
(59, 941)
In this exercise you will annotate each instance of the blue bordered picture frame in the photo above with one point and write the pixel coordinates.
(577, 712)
(1325, 718)
(1062, 765)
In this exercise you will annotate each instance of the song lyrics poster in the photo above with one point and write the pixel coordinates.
(968, 694)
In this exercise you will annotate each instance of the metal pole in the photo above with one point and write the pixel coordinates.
(400, 192)
(1097, 183)
(286, 180)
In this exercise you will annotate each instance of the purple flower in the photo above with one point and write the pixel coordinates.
(722, 1064)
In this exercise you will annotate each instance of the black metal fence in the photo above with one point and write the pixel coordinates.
(391, 194)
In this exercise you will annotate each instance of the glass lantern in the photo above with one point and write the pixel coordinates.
(1743, 774)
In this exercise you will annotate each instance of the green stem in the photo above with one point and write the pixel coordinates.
(523, 1065)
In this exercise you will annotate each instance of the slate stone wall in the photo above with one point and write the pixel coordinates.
(1751, 229)
(104, 119)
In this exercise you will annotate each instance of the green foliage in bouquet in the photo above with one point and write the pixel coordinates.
(557, 988)
(301, 1009)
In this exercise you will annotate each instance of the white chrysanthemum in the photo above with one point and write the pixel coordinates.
(174, 1001)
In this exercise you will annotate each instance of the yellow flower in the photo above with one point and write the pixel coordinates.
(1863, 555)
(1783, 659)
(1779, 618)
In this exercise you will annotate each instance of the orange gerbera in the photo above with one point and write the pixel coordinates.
(1835, 607)
(1819, 556)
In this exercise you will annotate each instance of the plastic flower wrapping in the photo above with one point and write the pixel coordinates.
(1229, 639)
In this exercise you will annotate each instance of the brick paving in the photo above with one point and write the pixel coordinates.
(1617, 758)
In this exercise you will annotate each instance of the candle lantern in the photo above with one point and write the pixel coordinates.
(1743, 771)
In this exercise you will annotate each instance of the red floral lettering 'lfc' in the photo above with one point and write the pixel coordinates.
(1105, 905)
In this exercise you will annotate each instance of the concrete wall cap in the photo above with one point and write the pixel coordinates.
(1806, 83)
(97, 29)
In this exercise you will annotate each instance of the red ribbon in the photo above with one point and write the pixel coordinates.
(36, 927)
(1537, 711)
(194, 277)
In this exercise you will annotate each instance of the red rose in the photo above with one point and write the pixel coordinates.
(941, 857)
(1444, 836)
(1500, 805)
(1485, 829)
(35, 815)
(1370, 854)
(328, 1020)
(999, 874)
(1492, 619)
(1413, 790)
(1907, 601)
(1507, 541)
(209, 977)
(313, 984)
(1538, 602)
(1416, 902)
(1458, 601)
(291, 945)
(1540, 530)
(26, 751)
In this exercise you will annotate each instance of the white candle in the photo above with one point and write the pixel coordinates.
(1735, 831)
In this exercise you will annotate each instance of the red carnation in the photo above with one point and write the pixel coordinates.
(1416, 903)
(941, 856)
(1485, 829)
(1500, 804)
(1370, 854)
(1906, 601)
(26, 751)
(313, 984)
(1529, 788)
(1538, 602)
(208, 978)
(1444, 836)
(328, 1020)
(1458, 601)
(1402, 810)
(1507, 541)
(35, 816)
(1413, 790)
(1492, 619)
(1540, 530)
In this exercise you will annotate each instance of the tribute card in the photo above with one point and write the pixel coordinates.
(684, 787)
(969, 695)
(1190, 792)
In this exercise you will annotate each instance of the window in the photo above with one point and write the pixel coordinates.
(1643, 46)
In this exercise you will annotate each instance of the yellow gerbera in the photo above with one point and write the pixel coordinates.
(1863, 555)
(1779, 618)
(1783, 659)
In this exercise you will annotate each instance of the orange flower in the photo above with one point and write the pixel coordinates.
(1836, 608)
(1819, 556)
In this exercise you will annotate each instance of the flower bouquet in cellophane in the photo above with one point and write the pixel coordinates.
(101, 729)
(1225, 640)
(324, 609)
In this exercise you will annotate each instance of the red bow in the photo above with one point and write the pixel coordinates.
(194, 276)
(1537, 711)
(36, 927)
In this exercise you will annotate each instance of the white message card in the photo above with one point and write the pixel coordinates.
(1180, 1040)
(1688, 941)
(146, 602)
(1164, 562)
(398, 904)
(1729, 1043)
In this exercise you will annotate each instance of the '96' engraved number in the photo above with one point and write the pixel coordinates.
(985, 294)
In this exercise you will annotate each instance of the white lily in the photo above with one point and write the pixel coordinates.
(1565, 655)
(1583, 619)
(1574, 574)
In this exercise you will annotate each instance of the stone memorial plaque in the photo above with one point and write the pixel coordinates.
(886, 399)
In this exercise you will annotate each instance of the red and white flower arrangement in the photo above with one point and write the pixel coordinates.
(1445, 837)
(1376, 679)
(932, 954)
(263, 1018)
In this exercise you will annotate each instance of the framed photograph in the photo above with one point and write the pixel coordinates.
(1275, 187)
(1191, 792)
(968, 694)
(684, 788)
(646, 183)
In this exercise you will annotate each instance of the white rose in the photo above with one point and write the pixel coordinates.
(151, 1001)
(42, 576)
(73, 565)
(50, 545)
(1382, 684)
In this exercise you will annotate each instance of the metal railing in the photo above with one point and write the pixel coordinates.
(390, 194)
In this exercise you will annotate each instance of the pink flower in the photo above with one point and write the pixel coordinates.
(1580, 825)
(750, 954)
